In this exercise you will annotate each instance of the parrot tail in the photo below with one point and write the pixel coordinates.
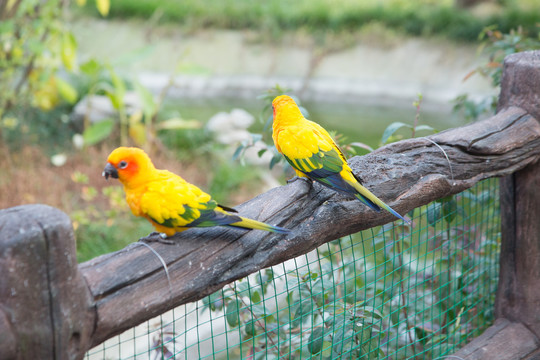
(254, 224)
(374, 202)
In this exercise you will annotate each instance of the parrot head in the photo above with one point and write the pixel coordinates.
(128, 165)
(285, 109)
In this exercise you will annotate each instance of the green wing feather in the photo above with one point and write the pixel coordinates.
(175, 203)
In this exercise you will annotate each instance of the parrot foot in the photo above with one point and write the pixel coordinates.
(296, 177)
(157, 237)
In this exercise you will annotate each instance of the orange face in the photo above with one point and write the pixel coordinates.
(124, 163)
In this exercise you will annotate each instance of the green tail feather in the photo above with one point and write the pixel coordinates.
(364, 194)
(257, 225)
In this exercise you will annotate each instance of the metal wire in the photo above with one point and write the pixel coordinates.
(390, 292)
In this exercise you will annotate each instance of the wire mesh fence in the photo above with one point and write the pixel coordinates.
(390, 292)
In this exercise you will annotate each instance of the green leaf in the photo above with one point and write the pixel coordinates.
(436, 339)
(425, 127)
(303, 308)
(98, 131)
(148, 103)
(362, 311)
(362, 145)
(119, 90)
(256, 137)
(391, 129)
(116, 101)
(315, 341)
(91, 67)
(239, 150)
(214, 301)
(232, 312)
(250, 329)
(242, 287)
(433, 212)
(66, 91)
(256, 297)
(69, 50)
(259, 310)
(276, 159)
(449, 210)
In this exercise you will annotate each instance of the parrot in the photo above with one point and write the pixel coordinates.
(167, 201)
(313, 154)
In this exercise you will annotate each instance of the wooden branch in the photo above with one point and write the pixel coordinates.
(406, 175)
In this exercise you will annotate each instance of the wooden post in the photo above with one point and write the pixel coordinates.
(45, 306)
(518, 297)
(516, 333)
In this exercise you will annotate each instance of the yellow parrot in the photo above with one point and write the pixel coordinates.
(313, 153)
(166, 200)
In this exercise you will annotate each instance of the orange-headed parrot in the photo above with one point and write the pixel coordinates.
(169, 202)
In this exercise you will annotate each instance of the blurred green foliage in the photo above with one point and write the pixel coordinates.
(140, 125)
(496, 44)
(36, 48)
(34, 45)
(418, 17)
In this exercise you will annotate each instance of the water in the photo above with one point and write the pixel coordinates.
(357, 122)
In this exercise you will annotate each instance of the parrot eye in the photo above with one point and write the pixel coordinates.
(122, 164)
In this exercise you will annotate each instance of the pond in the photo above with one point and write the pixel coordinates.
(358, 122)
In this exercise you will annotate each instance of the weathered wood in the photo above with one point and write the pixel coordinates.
(518, 297)
(406, 175)
(46, 309)
(504, 340)
(8, 343)
(520, 82)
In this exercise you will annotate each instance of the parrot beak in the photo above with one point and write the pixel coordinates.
(110, 171)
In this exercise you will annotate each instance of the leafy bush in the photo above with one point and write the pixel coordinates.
(418, 18)
(36, 46)
(497, 45)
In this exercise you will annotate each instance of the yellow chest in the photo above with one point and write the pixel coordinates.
(133, 199)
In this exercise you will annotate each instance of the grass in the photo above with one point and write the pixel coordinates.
(418, 18)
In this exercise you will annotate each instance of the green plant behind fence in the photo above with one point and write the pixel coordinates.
(390, 292)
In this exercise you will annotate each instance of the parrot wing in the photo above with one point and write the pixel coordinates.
(311, 150)
(174, 204)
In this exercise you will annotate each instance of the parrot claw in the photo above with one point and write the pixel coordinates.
(296, 177)
(157, 237)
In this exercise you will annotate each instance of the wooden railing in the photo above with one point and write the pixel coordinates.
(51, 307)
